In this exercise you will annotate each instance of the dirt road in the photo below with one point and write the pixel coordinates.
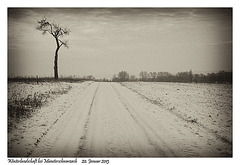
(109, 120)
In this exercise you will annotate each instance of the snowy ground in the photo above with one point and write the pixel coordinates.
(109, 120)
(25, 98)
(25, 131)
(209, 105)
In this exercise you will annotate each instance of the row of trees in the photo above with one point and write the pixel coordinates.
(186, 77)
(123, 76)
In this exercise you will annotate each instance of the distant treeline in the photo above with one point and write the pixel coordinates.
(185, 77)
(49, 79)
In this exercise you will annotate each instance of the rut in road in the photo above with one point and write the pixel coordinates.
(152, 135)
(83, 138)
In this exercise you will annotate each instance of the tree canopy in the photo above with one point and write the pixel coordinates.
(54, 29)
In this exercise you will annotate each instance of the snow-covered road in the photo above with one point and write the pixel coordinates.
(109, 120)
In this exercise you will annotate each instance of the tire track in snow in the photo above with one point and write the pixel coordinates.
(54, 137)
(84, 136)
(138, 144)
(29, 153)
(154, 139)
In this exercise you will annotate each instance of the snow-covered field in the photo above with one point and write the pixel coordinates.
(102, 119)
(208, 105)
(24, 98)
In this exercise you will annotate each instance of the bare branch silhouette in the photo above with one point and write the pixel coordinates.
(57, 32)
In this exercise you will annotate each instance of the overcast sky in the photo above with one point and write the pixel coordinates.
(106, 41)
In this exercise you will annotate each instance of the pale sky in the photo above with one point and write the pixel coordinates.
(106, 41)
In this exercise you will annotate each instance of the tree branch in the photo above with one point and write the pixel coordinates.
(54, 29)
(64, 43)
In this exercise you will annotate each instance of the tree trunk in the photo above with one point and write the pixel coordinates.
(56, 60)
(56, 65)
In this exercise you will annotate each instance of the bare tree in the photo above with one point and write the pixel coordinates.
(132, 78)
(144, 76)
(114, 78)
(123, 76)
(57, 32)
